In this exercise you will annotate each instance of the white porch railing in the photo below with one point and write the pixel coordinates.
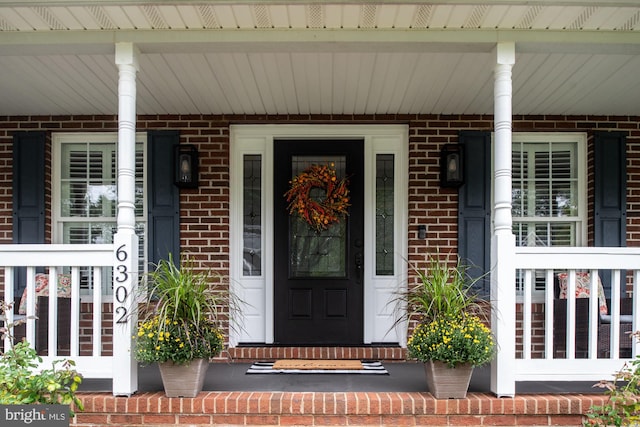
(536, 359)
(54, 258)
(544, 364)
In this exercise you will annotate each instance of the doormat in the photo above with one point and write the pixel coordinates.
(298, 366)
(317, 364)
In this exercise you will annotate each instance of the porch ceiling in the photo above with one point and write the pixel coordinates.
(277, 57)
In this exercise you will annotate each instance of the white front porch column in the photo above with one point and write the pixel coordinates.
(125, 261)
(503, 294)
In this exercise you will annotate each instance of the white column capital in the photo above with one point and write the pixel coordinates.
(127, 54)
(506, 53)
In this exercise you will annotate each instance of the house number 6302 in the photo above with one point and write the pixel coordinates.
(121, 292)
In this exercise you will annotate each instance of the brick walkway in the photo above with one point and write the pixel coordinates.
(331, 409)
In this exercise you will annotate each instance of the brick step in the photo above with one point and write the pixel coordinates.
(247, 354)
(332, 409)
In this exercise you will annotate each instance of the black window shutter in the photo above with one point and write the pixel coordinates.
(610, 175)
(28, 193)
(610, 193)
(474, 208)
(28, 187)
(164, 197)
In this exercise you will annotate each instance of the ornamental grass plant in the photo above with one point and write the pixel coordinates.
(451, 318)
(181, 316)
(443, 291)
(440, 291)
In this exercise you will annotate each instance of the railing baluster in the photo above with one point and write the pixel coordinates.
(31, 306)
(548, 321)
(635, 347)
(75, 312)
(571, 315)
(9, 298)
(615, 314)
(97, 311)
(52, 321)
(593, 318)
(526, 314)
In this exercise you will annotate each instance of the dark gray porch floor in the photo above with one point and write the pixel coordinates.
(403, 377)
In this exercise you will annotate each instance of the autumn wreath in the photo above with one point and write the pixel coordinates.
(318, 213)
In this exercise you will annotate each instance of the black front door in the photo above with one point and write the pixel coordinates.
(318, 275)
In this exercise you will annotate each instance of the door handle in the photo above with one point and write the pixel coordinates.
(359, 263)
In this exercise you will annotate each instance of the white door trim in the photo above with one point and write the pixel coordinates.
(257, 291)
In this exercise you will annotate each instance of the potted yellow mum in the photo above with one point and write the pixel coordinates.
(451, 337)
(179, 325)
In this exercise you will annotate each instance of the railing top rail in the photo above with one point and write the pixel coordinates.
(36, 255)
(577, 258)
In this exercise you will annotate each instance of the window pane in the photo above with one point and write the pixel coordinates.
(564, 198)
(384, 214)
(88, 180)
(252, 216)
(88, 232)
(139, 192)
(544, 189)
(315, 253)
(519, 186)
(563, 233)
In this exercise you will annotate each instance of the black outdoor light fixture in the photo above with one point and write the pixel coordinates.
(451, 172)
(186, 166)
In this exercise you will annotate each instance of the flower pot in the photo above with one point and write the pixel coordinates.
(448, 383)
(183, 380)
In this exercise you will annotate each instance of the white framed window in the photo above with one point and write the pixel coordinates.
(548, 193)
(84, 196)
(549, 189)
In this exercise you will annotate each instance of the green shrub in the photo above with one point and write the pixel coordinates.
(22, 383)
(623, 406)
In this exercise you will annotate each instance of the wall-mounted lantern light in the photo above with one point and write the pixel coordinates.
(451, 164)
(186, 166)
(422, 231)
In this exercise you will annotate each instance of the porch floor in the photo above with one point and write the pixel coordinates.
(231, 397)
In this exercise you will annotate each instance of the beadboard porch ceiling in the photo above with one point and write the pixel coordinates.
(338, 57)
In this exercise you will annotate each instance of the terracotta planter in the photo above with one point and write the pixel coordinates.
(448, 383)
(183, 380)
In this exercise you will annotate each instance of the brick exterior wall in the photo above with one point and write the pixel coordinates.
(205, 211)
